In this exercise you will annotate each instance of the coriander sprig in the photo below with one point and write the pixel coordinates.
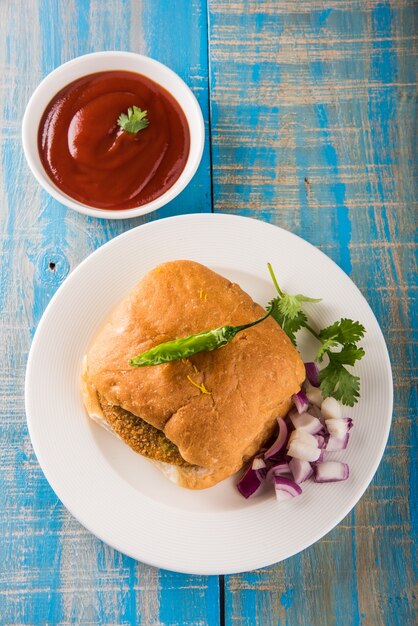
(335, 380)
(288, 310)
(135, 121)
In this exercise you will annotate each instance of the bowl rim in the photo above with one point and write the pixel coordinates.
(46, 86)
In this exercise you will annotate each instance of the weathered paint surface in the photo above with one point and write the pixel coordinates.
(312, 126)
(51, 569)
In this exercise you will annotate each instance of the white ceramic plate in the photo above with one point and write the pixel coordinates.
(124, 499)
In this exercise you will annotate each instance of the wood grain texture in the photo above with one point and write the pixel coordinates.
(52, 571)
(313, 125)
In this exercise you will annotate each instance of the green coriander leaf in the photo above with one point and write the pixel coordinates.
(336, 381)
(348, 355)
(289, 325)
(327, 344)
(291, 306)
(135, 121)
(344, 331)
(274, 279)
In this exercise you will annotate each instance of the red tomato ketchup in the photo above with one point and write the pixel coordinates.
(90, 158)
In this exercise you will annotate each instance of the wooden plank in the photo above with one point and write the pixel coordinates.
(313, 114)
(51, 569)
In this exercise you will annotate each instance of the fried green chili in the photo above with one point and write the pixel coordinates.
(187, 346)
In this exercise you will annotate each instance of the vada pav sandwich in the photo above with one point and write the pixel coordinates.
(199, 419)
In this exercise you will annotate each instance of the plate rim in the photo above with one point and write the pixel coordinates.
(114, 543)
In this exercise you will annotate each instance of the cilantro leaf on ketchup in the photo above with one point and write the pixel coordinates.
(135, 121)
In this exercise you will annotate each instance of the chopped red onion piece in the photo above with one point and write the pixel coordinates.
(300, 450)
(339, 427)
(303, 437)
(278, 469)
(301, 470)
(300, 401)
(261, 473)
(277, 458)
(331, 471)
(279, 444)
(306, 422)
(249, 483)
(315, 411)
(282, 495)
(303, 446)
(313, 394)
(321, 441)
(335, 444)
(312, 373)
(331, 408)
(286, 488)
(258, 463)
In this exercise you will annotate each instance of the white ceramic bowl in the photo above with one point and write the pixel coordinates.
(99, 62)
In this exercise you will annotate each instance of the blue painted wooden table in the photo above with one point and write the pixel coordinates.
(311, 121)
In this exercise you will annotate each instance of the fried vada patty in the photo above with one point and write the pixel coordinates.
(198, 419)
(141, 436)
